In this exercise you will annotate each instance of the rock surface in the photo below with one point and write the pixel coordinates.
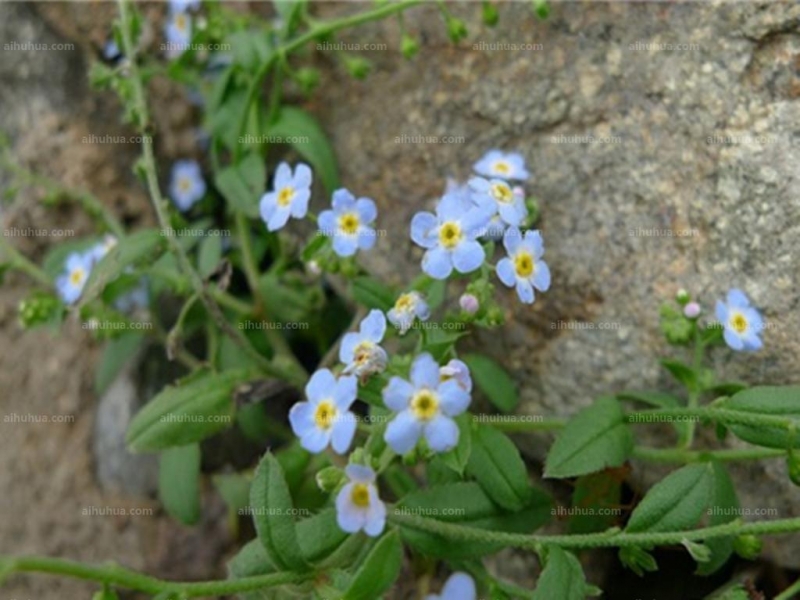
(663, 139)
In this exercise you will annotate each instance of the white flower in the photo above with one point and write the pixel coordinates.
(408, 307)
(360, 351)
(502, 165)
(289, 198)
(325, 418)
(76, 271)
(358, 506)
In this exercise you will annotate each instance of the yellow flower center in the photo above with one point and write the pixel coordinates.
(502, 167)
(325, 414)
(523, 264)
(76, 277)
(450, 234)
(738, 322)
(363, 352)
(502, 193)
(285, 196)
(349, 223)
(425, 405)
(405, 302)
(360, 495)
(180, 21)
(184, 184)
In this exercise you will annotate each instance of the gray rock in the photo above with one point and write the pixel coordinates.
(702, 138)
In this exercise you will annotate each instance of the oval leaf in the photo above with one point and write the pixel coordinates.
(561, 578)
(379, 570)
(179, 482)
(493, 380)
(776, 401)
(497, 466)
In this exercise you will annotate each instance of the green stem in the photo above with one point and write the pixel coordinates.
(694, 394)
(282, 370)
(606, 539)
(791, 592)
(520, 426)
(683, 456)
(17, 261)
(115, 575)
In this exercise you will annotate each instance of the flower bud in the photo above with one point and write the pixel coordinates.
(409, 46)
(456, 29)
(692, 310)
(329, 478)
(682, 297)
(38, 309)
(469, 304)
(313, 267)
(308, 79)
(490, 14)
(747, 546)
(357, 67)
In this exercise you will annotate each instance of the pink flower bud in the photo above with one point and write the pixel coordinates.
(469, 303)
(692, 310)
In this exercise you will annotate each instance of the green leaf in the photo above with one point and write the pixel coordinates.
(675, 503)
(320, 536)
(776, 401)
(497, 466)
(440, 342)
(596, 438)
(372, 293)
(494, 381)
(250, 48)
(637, 560)
(188, 412)
(561, 578)
(723, 509)
(139, 247)
(234, 489)
(379, 570)
(179, 482)
(209, 255)
(242, 185)
(458, 457)
(596, 498)
(116, 354)
(273, 515)
(305, 135)
(683, 373)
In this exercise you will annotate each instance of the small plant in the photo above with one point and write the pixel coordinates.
(390, 457)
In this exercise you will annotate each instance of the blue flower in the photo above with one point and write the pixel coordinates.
(523, 267)
(360, 351)
(100, 249)
(358, 505)
(425, 406)
(742, 322)
(176, 6)
(348, 223)
(325, 418)
(187, 185)
(449, 236)
(502, 165)
(69, 284)
(458, 371)
(178, 33)
(459, 586)
(289, 197)
(499, 197)
(408, 307)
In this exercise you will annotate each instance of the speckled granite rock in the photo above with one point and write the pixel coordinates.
(701, 137)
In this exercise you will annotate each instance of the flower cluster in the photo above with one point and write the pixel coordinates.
(485, 208)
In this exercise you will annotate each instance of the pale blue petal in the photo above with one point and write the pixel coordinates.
(541, 276)
(512, 240)
(366, 238)
(267, 205)
(525, 291)
(752, 342)
(327, 222)
(476, 220)
(283, 176)
(320, 385)
(342, 200)
(397, 394)
(423, 311)
(533, 241)
(350, 518)
(403, 432)
(510, 214)
(437, 263)
(315, 439)
(301, 418)
(376, 515)
(450, 208)
(453, 399)
(506, 273)
(342, 432)
(299, 204)
(479, 185)
(737, 299)
(423, 226)
(302, 177)
(459, 586)
(441, 433)
(345, 245)
(733, 340)
(754, 320)
(722, 312)
(359, 473)
(347, 348)
(468, 256)
(279, 218)
(373, 327)
(425, 372)
(367, 211)
(344, 394)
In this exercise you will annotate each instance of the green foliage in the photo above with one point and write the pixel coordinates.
(497, 466)
(378, 571)
(494, 381)
(179, 482)
(772, 401)
(594, 439)
(561, 578)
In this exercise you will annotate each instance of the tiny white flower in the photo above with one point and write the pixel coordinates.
(360, 351)
(358, 506)
(409, 306)
(289, 198)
